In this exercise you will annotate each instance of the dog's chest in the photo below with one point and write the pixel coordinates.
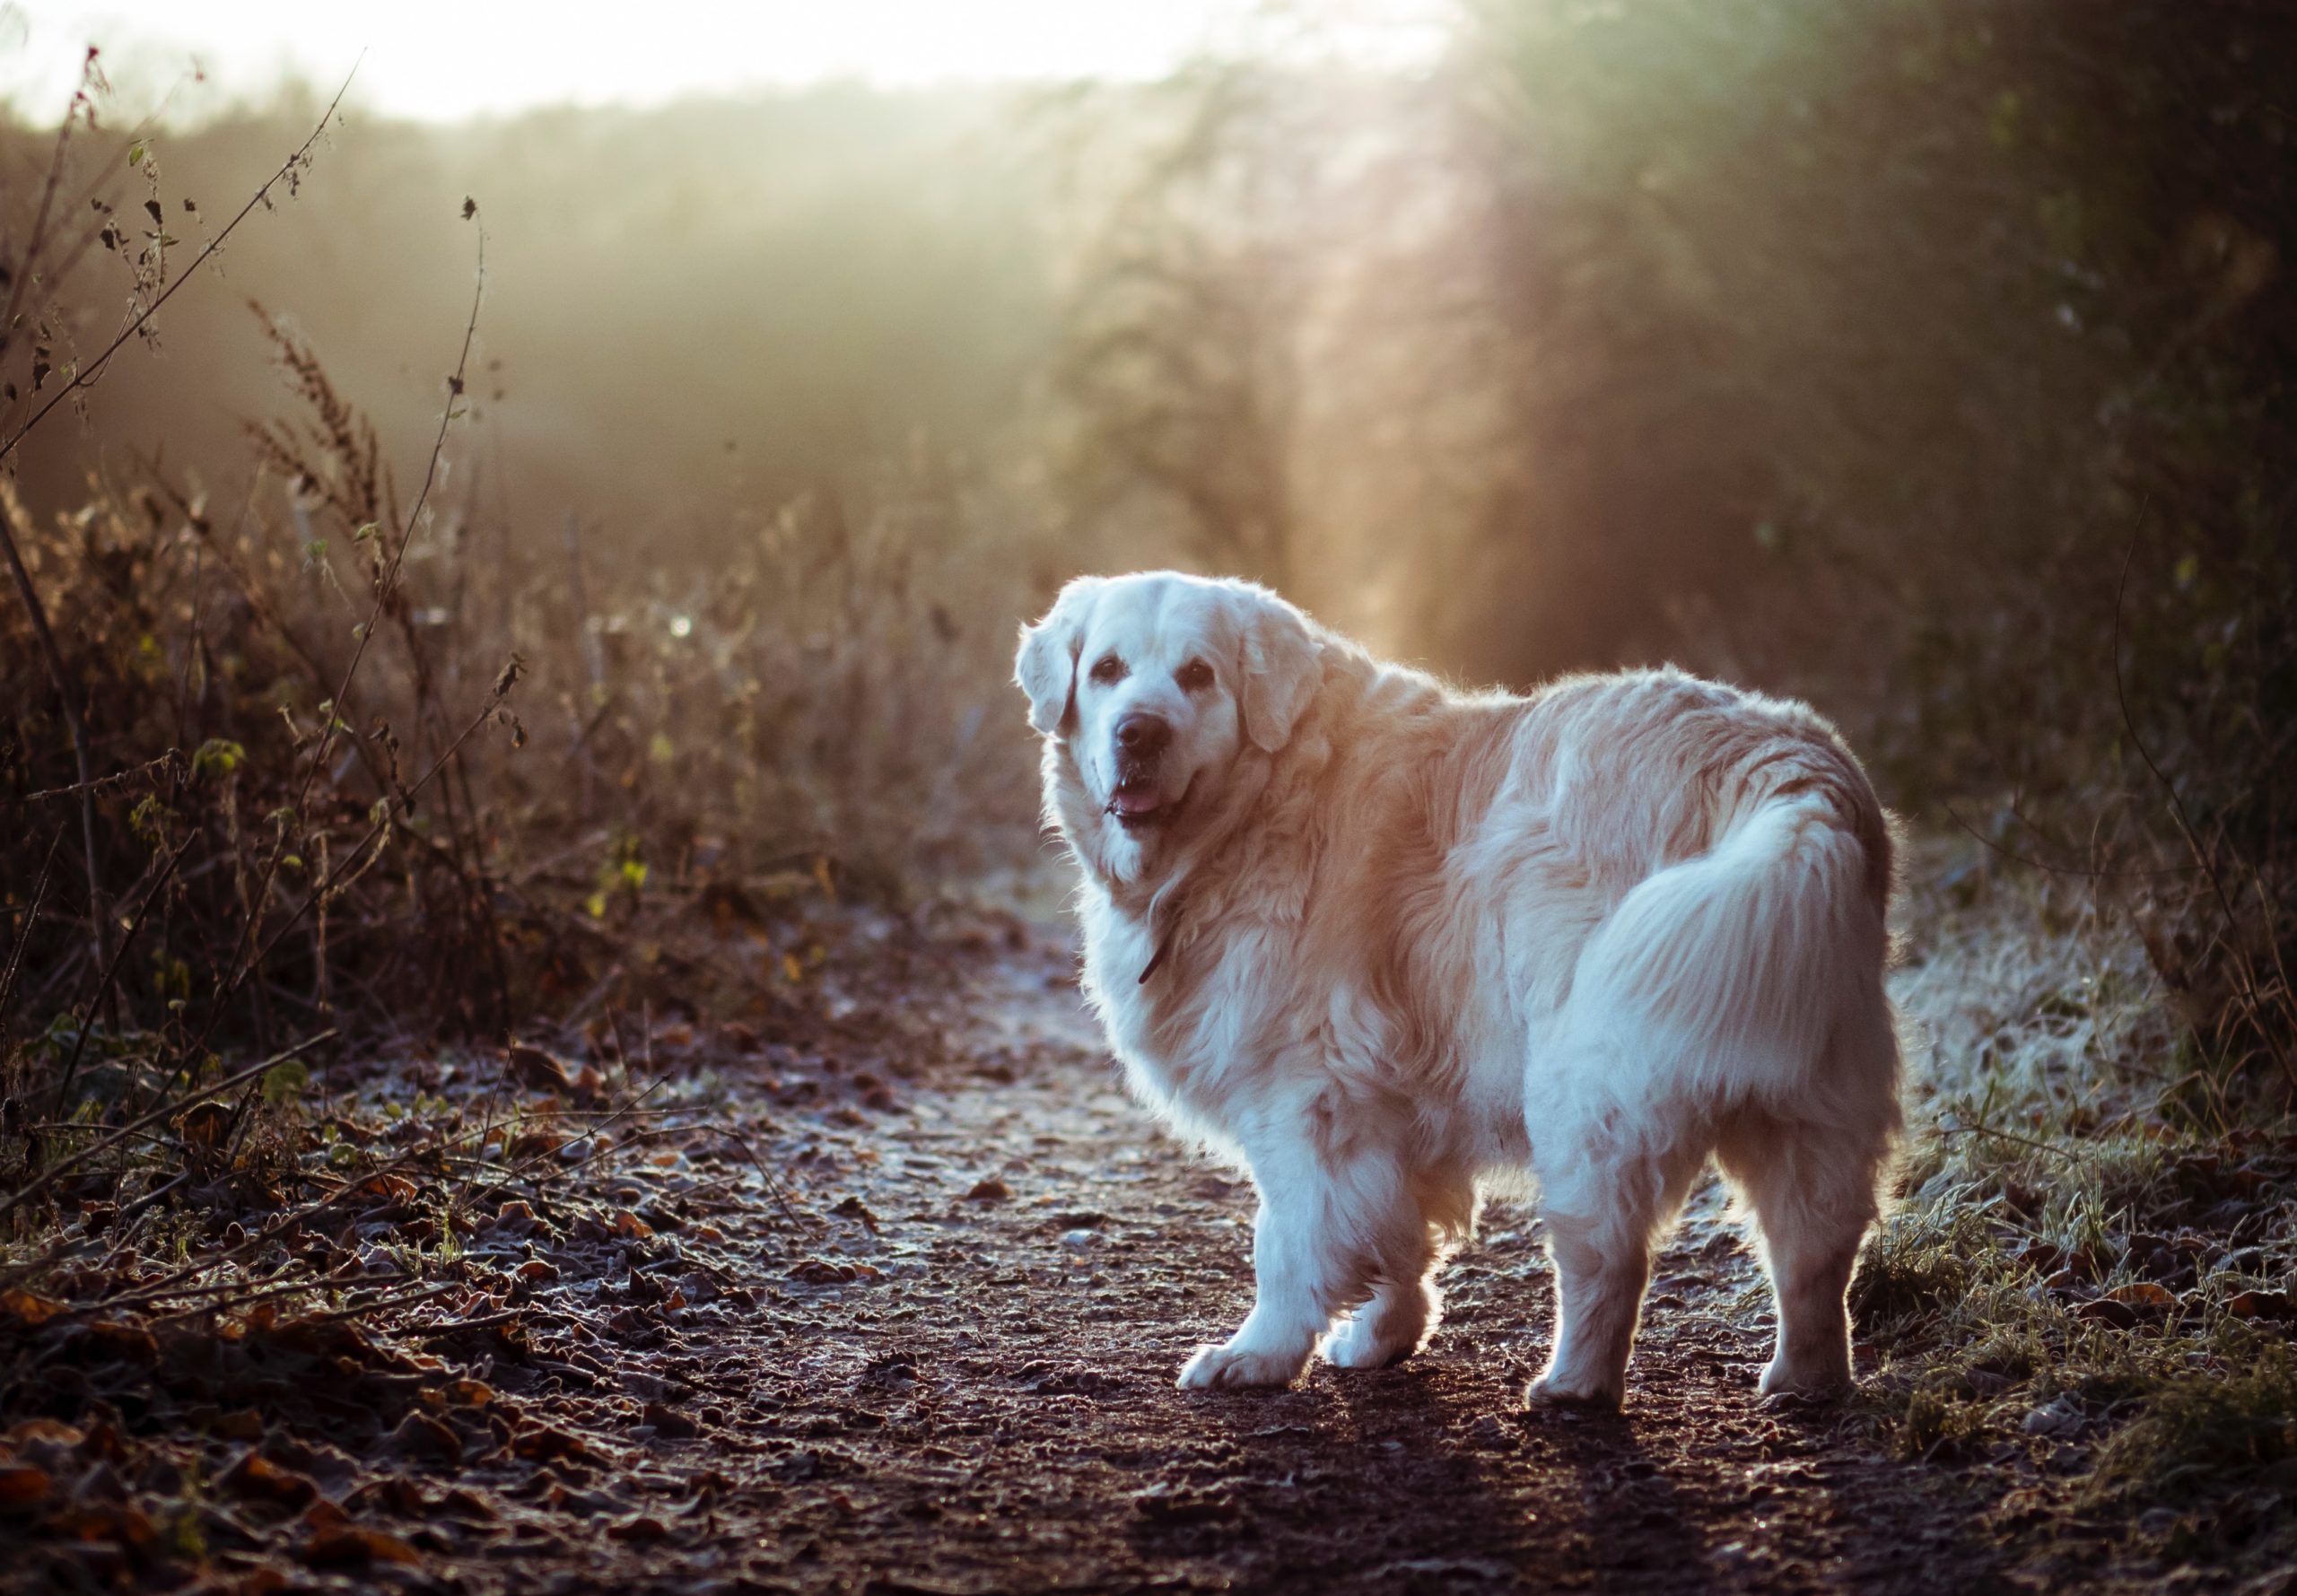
(1197, 1019)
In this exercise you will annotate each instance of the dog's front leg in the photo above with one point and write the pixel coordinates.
(1299, 1284)
(1317, 1214)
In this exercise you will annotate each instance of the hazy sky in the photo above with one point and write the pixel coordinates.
(445, 58)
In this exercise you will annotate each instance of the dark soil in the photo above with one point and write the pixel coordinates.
(951, 1372)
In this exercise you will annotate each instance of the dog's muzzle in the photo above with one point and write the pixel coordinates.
(1137, 798)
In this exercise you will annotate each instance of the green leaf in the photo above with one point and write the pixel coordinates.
(220, 754)
(285, 1082)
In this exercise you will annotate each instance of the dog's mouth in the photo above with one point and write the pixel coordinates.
(1138, 803)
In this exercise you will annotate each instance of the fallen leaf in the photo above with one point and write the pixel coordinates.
(831, 1271)
(130, 1524)
(202, 1124)
(533, 1143)
(853, 1208)
(459, 1503)
(420, 1435)
(670, 1422)
(258, 1477)
(514, 1217)
(22, 1486)
(42, 1429)
(110, 1340)
(2272, 1305)
(354, 1547)
(393, 1493)
(543, 1442)
(263, 1580)
(244, 1424)
(536, 1069)
(27, 1309)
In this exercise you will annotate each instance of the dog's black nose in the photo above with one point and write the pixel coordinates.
(1143, 736)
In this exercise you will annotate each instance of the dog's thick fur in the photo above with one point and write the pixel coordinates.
(1381, 941)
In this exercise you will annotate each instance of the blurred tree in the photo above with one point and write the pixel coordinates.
(1855, 349)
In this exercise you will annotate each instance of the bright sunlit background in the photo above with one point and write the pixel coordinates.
(439, 60)
(1830, 347)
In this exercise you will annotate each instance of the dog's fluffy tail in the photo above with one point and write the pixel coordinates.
(1753, 972)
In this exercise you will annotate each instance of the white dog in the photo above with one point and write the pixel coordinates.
(1380, 940)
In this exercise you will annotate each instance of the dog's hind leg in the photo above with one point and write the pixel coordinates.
(1812, 1191)
(1604, 1199)
(1405, 1304)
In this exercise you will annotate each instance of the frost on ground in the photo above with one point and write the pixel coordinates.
(882, 1286)
(2085, 1296)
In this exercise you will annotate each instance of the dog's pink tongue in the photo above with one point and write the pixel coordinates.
(1136, 800)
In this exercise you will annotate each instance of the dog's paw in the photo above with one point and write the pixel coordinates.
(1360, 1344)
(1233, 1368)
(1553, 1390)
(1792, 1388)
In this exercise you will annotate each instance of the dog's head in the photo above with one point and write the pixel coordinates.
(1152, 688)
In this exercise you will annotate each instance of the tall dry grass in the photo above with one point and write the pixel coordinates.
(600, 735)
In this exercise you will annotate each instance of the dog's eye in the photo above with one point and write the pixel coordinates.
(1110, 669)
(1194, 676)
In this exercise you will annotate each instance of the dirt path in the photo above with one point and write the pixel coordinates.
(952, 1370)
(991, 1407)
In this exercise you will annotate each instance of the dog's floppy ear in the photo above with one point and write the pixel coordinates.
(1281, 669)
(1046, 667)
